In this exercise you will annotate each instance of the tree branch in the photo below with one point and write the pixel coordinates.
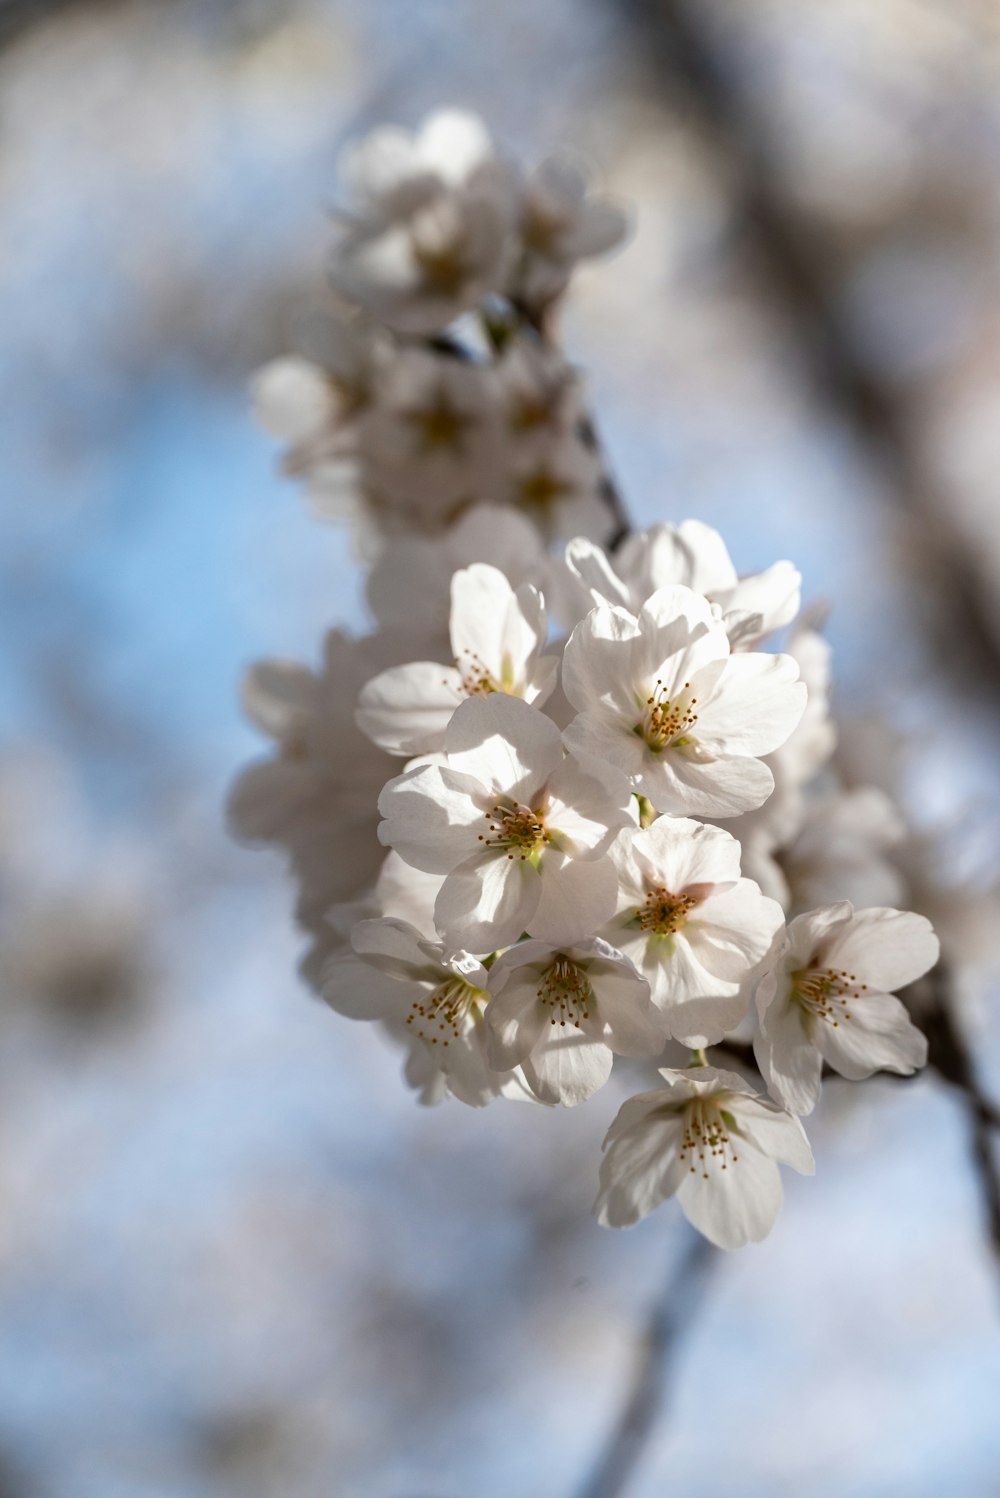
(668, 1320)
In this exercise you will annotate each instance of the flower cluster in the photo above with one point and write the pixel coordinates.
(558, 806)
(429, 387)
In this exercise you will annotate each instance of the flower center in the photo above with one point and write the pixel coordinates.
(443, 1014)
(667, 720)
(439, 424)
(566, 989)
(663, 914)
(517, 828)
(477, 680)
(707, 1144)
(826, 992)
(439, 258)
(540, 488)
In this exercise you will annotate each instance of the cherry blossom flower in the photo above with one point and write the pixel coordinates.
(841, 851)
(710, 1140)
(314, 405)
(560, 487)
(518, 828)
(561, 1011)
(316, 797)
(661, 696)
(538, 393)
(429, 441)
(497, 636)
(431, 233)
(693, 555)
(693, 927)
(561, 223)
(401, 977)
(830, 997)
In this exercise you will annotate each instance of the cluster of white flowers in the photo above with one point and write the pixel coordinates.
(431, 388)
(502, 806)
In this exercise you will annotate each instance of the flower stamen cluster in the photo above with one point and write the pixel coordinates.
(826, 993)
(667, 721)
(706, 1138)
(446, 1009)
(567, 991)
(664, 914)
(517, 828)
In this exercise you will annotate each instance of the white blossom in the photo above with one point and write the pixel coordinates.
(662, 697)
(693, 555)
(560, 487)
(431, 231)
(841, 851)
(693, 927)
(405, 979)
(497, 637)
(538, 396)
(316, 797)
(710, 1140)
(561, 223)
(830, 997)
(518, 828)
(560, 1012)
(428, 443)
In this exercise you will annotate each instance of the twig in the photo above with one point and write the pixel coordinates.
(669, 1318)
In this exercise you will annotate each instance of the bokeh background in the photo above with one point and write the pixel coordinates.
(236, 1258)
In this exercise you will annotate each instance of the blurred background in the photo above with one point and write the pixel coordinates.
(236, 1258)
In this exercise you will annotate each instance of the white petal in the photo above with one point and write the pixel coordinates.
(886, 948)
(509, 747)
(515, 1019)
(735, 1206)
(407, 709)
(774, 1131)
(679, 852)
(567, 1067)
(789, 1062)
(719, 788)
(430, 818)
(759, 700)
(706, 1021)
(487, 902)
(733, 932)
(395, 947)
(588, 802)
(598, 658)
(641, 1167)
(878, 1036)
